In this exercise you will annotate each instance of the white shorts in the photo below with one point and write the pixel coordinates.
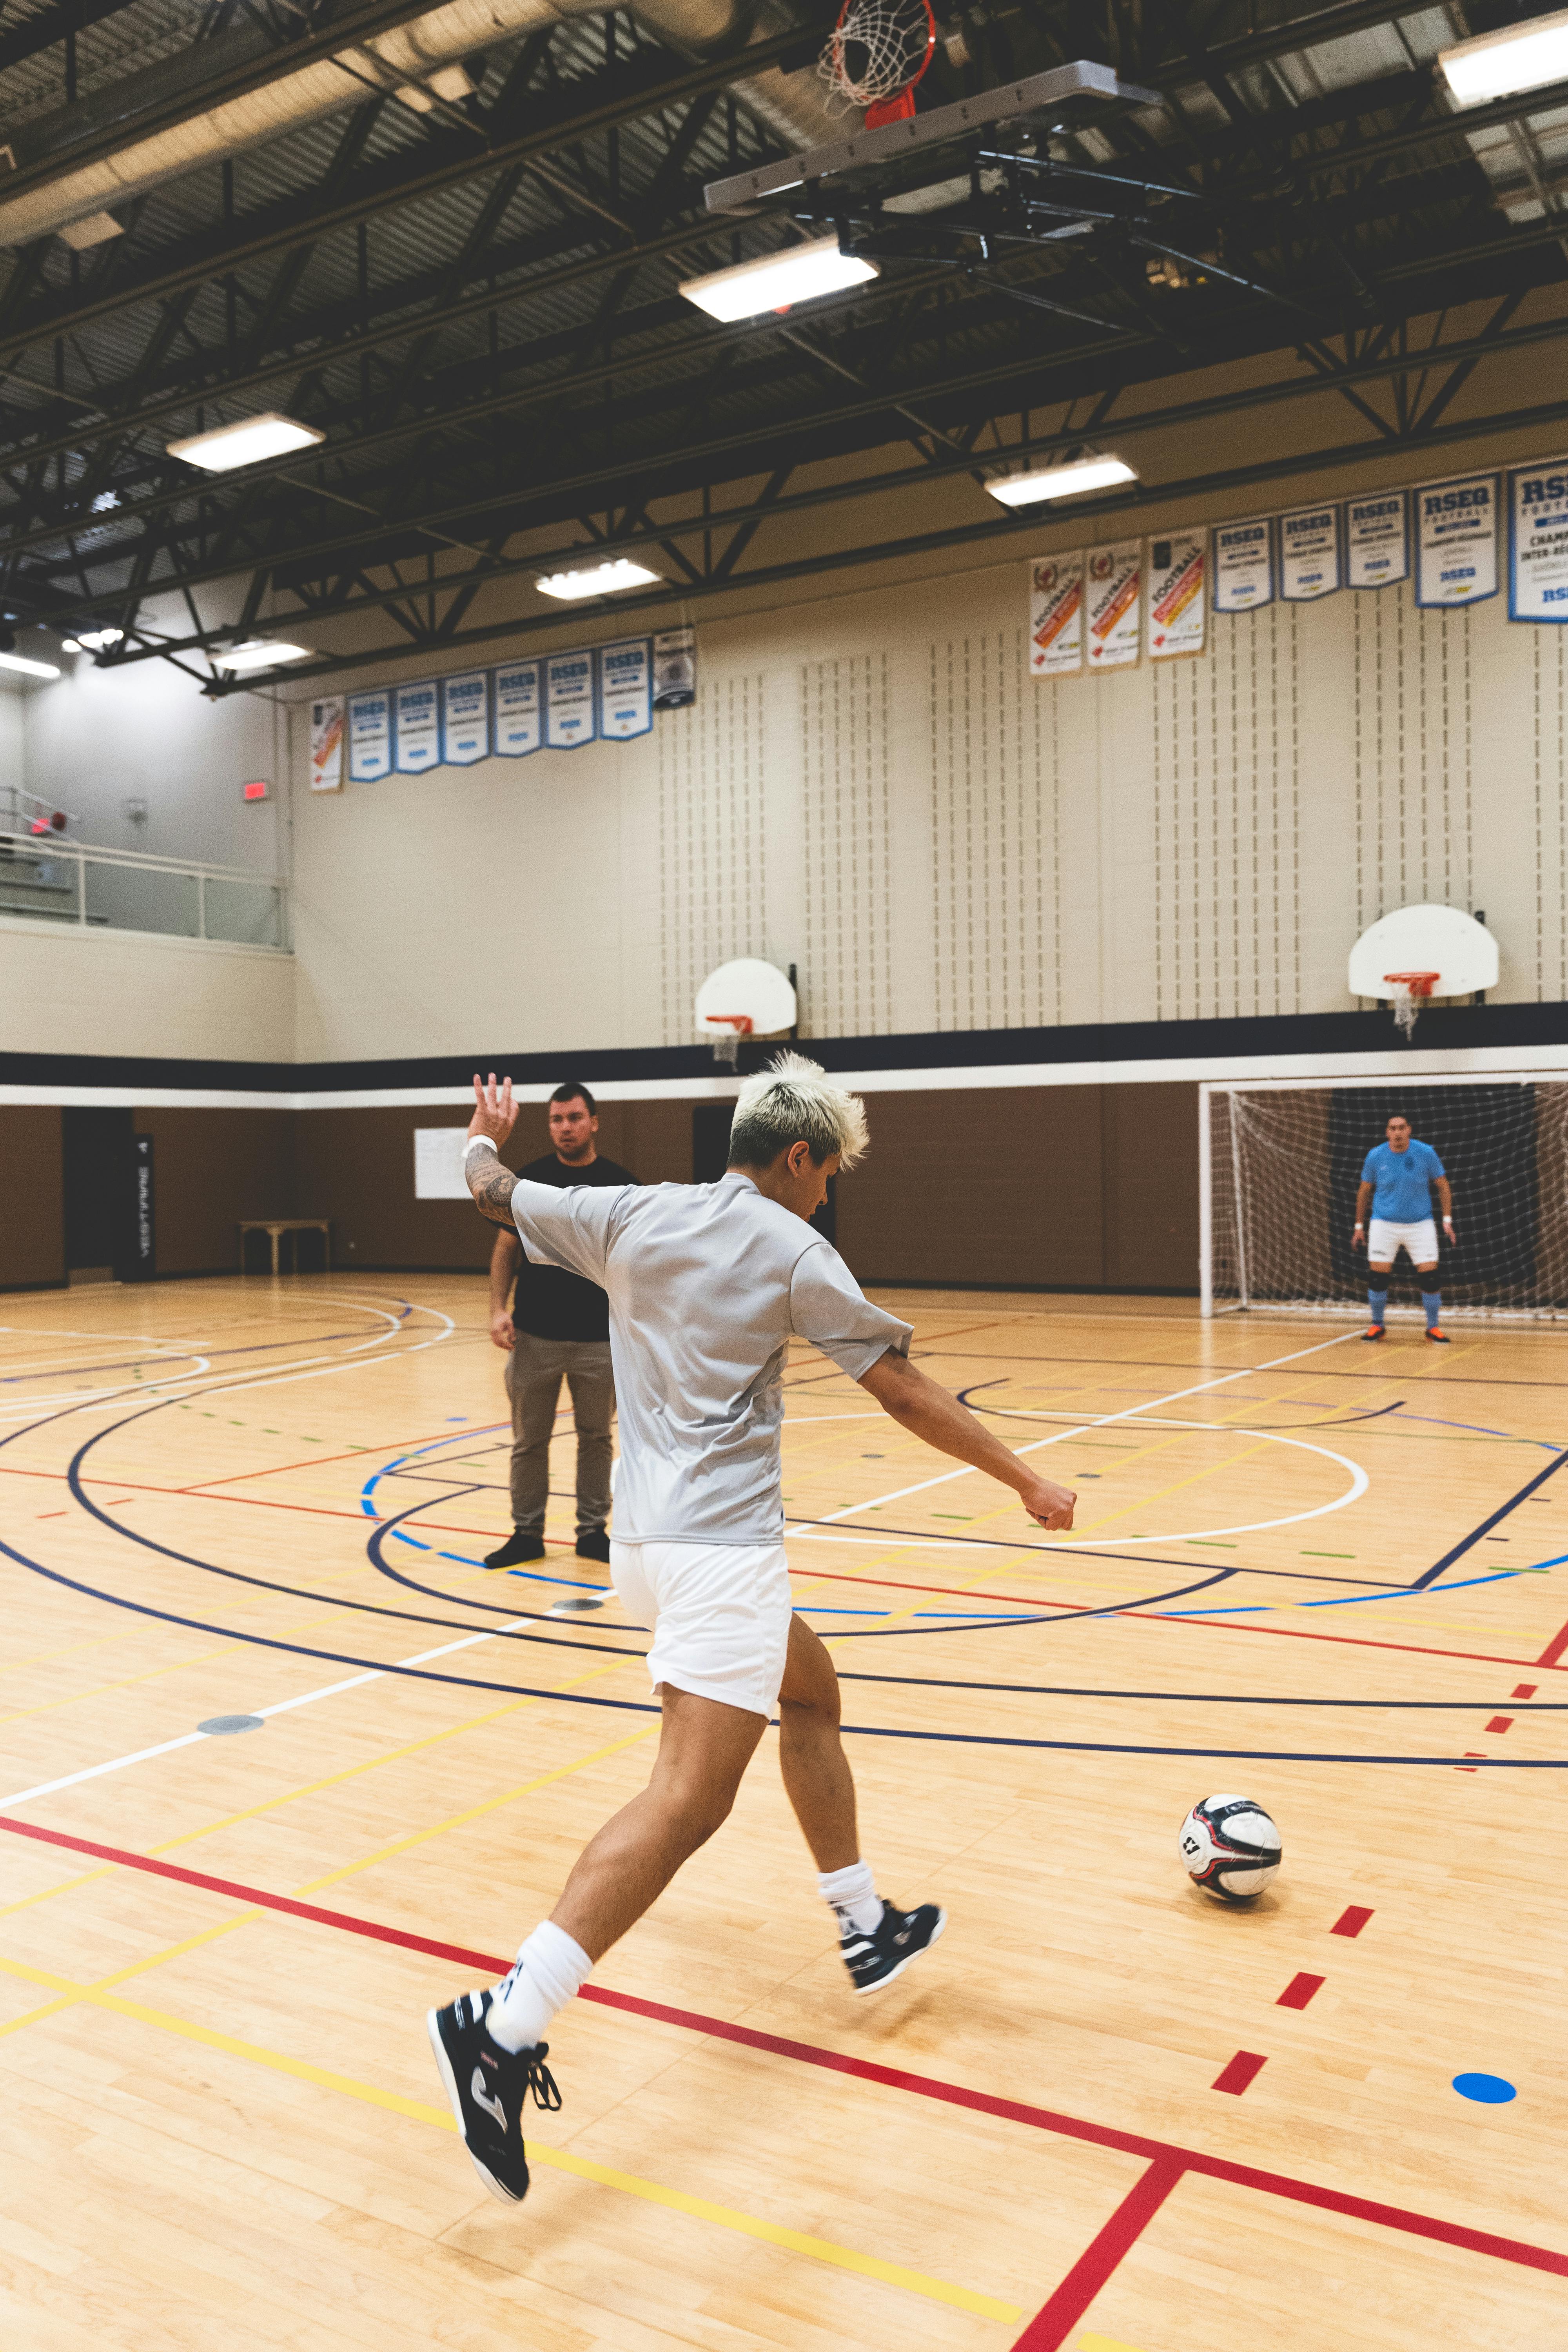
(719, 1612)
(1384, 1240)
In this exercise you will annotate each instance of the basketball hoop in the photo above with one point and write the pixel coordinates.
(1411, 990)
(878, 51)
(739, 1025)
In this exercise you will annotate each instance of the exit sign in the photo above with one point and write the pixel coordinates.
(259, 790)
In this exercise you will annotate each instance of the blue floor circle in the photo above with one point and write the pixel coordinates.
(1489, 2090)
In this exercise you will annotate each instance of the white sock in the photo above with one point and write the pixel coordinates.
(852, 1895)
(550, 1967)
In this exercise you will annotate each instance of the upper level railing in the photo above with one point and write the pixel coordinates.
(52, 880)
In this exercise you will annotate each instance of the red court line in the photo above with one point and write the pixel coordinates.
(1050, 2327)
(1553, 1649)
(836, 2061)
(1350, 1922)
(1243, 2069)
(1522, 1690)
(1500, 1723)
(1299, 1991)
(483, 1428)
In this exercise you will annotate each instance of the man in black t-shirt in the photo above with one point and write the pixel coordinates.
(558, 1327)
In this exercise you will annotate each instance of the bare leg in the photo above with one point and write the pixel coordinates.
(704, 1748)
(816, 1776)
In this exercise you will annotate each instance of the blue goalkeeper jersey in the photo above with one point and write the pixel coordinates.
(1399, 1180)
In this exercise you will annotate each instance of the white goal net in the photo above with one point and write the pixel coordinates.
(1280, 1164)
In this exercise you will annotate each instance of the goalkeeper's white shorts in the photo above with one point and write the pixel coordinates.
(1386, 1239)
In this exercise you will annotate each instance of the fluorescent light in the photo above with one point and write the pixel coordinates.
(243, 444)
(69, 645)
(1059, 481)
(602, 581)
(29, 669)
(255, 653)
(777, 280)
(94, 641)
(1521, 57)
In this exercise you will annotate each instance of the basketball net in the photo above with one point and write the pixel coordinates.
(727, 1049)
(1411, 990)
(879, 50)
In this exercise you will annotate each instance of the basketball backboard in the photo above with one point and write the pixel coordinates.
(744, 998)
(1424, 939)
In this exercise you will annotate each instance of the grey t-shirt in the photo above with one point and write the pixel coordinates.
(707, 1283)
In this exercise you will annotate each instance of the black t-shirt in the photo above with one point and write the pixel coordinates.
(549, 1302)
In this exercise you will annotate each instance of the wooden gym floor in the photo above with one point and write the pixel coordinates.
(1105, 2114)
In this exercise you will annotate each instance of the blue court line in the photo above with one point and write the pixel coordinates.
(1355, 1600)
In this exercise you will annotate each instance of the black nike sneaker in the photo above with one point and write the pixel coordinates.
(523, 1543)
(874, 1960)
(487, 2086)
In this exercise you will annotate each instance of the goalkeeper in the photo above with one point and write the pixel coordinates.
(1396, 1180)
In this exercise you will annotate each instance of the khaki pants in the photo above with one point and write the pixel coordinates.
(535, 1371)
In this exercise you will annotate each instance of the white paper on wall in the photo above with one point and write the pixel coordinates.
(1112, 603)
(1308, 554)
(1377, 540)
(439, 1173)
(1455, 540)
(1177, 593)
(1055, 615)
(1243, 564)
(327, 745)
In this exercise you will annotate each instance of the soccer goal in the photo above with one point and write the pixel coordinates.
(1280, 1162)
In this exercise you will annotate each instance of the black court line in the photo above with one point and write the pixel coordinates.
(1159, 1364)
(1467, 1542)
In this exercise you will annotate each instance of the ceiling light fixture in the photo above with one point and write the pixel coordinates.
(1060, 481)
(244, 442)
(604, 580)
(95, 641)
(775, 281)
(255, 653)
(29, 669)
(1496, 64)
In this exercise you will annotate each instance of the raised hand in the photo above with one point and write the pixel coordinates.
(495, 1113)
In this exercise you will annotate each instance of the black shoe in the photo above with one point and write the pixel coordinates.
(487, 2086)
(593, 1544)
(523, 1543)
(874, 1961)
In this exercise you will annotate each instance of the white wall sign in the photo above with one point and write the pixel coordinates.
(1056, 615)
(1308, 554)
(518, 723)
(419, 728)
(674, 668)
(370, 736)
(1537, 541)
(438, 1163)
(625, 689)
(464, 718)
(569, 701)
(1455, 540)
(1114, 603)
(1178, 597)
(1377, 540)
(327, 745)
(1243, 564)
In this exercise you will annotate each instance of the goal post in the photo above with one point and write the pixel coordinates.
(1279, 1161)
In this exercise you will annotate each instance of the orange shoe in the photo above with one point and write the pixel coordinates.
(1375, 1331)
(1441, 1337)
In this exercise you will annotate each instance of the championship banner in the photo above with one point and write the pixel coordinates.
(518, 714)
(1114, 603)
(370, 736)
(1056, 615)
(1243, 564)
(1455, 540)
(419, 728)
(1537, 541)
(1178, 602)
(1308, 554)
(674, 668)
(327, 745)
(626, 689)
(464, 718)
(1377, 540)
(568, 700)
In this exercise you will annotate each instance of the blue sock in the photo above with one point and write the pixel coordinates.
(1378, 1302)
(1432, 1300)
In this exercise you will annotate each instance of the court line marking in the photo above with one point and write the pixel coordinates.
(1108, 2135)
(556, 2160)
(1106, 2250)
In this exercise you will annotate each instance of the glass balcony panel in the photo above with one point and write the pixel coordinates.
(142, 898)
(33, 882)
(248, 913)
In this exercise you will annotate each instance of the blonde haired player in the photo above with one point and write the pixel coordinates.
(707, 1284)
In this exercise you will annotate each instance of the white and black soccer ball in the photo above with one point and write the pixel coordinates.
(1230, 1848)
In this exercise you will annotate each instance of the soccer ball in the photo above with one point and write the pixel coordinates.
(1230, 1847)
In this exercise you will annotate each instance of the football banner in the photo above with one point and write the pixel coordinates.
(1056, 615)
(465, 719)
(327, 745)
(569, 701)
(1537, 541)
(370, 736)
(1243, 564)
(626, 689)
(517, 711)
(1377, 540)
(1178, 599)
(419, 728)
(1455, 540)
(1308, 554)
(1114, 603)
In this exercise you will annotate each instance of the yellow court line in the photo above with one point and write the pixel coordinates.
(151, 1673)
(676, 2201)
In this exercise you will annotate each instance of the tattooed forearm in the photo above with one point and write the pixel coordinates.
(492, 1183)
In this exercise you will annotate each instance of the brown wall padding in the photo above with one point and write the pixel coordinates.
(209, 1169)
(32, 1223)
